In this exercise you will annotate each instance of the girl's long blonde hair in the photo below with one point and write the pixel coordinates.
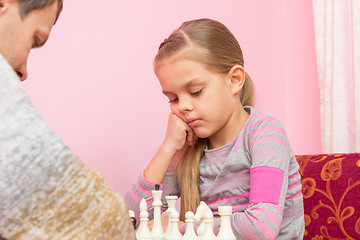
(211, 43)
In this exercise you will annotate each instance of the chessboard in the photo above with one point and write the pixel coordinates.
(203, 214)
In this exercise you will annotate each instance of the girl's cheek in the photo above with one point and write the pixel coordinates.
(174, 110)
(178, 113)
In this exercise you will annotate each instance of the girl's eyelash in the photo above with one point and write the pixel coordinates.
(172, 100)
(197, 92)
(193, 93)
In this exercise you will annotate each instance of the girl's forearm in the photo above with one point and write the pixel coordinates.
(157, 168)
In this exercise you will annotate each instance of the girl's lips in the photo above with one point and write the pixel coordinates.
(194, 123)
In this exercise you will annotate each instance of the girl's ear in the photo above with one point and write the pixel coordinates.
(237, 77)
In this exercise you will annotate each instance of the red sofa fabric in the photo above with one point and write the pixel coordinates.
(331, 191)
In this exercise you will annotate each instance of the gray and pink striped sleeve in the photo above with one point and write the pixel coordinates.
(143, 188)
(274, 181)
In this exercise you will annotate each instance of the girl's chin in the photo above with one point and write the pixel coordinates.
(200, 134)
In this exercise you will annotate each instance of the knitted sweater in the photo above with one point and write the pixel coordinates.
(46, 192)
(257, 174)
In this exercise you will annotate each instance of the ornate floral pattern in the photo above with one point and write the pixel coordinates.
(331, 191)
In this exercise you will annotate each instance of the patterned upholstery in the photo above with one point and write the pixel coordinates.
(331, 191)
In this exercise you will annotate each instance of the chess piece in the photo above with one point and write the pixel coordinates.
(225, 232)
(200, 212)
(157, 229)
(174, 233)
(143, 233)
(132, 217)
(189, 231)
(171, 201)
(208, 233)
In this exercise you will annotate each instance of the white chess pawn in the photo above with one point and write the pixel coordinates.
(208, 234)
(225, 232)
(143, 233)
(189, 232)
(171, 201)
(174, 233)
(200, 212)
(157, 229)
(132, 217)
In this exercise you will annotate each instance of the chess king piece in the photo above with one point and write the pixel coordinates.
(200, 212)
(208, 233)
(225, 231)
(157, 229)
(143, 233)
(174, 233)
(189, 231)
(171, 201)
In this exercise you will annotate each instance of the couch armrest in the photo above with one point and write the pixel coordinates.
(331, 191)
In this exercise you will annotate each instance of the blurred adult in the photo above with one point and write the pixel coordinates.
(46, 192)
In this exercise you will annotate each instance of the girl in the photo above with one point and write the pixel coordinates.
(217, 147)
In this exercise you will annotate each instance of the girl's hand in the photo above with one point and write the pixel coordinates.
(178, 133)
(164, 223)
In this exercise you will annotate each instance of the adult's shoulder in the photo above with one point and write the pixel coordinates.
(4, 65)
(8, 76)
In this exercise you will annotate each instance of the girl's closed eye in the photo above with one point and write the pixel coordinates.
(196, 92)
(173, 100)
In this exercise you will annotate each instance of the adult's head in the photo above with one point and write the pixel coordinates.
(25, 24)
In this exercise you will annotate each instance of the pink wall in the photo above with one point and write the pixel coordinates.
(94, 84)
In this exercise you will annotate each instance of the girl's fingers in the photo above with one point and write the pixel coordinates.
(189, 136)
(150, 224)
(188, 130)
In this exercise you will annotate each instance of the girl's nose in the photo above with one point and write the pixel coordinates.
(185, 105)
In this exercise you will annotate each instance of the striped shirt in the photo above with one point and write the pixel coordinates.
(257, 174)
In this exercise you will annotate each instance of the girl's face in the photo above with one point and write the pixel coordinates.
(202, 98)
